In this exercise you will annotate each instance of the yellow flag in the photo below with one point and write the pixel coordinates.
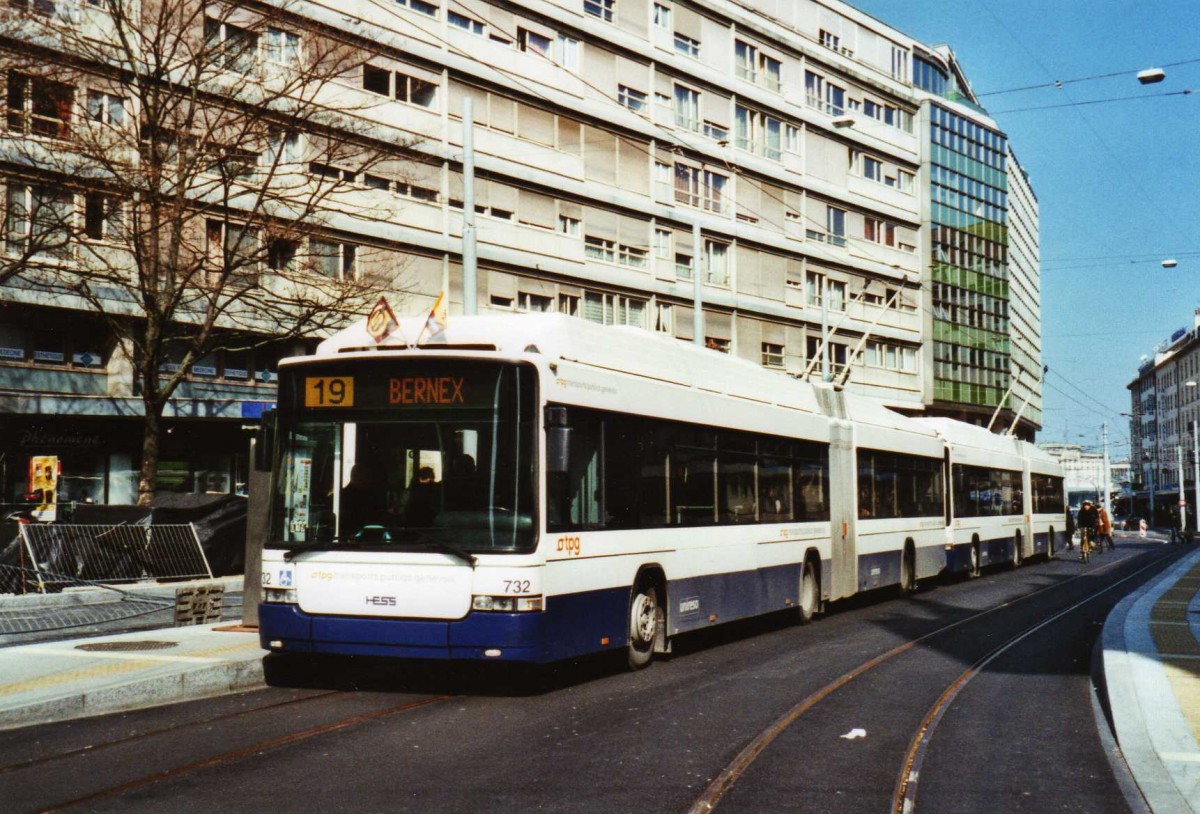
(435, 323)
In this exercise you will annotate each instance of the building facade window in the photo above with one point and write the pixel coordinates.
(39, 106)
(604, 9)
(38, 220)
(105, 108)
(332, 259)
(401, 86)
(772, 355)
(759, 133)
(700, 188)
(102, 216)
(232, 47)
(716, 263)
(686, 45)
(419, 6)
(614, 309)
(687, 108)
(635, 100)
(756, 67)
(569, 226)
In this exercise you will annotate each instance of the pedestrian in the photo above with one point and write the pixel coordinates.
(1104, 528)
(1142, 527)
(1087, 520)
(1070, 529)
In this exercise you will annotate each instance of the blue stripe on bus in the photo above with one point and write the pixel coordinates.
(991, 551)
(571, 625)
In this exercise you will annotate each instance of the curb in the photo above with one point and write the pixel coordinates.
(167, 686)
(1145, 712)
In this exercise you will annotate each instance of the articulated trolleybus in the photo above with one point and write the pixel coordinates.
(536, 487)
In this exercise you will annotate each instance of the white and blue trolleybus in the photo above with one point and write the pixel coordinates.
(537, 487)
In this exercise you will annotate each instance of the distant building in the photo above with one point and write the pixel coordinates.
(1164, 409)
(1083, 470)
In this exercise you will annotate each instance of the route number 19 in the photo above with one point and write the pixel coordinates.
(329, 391)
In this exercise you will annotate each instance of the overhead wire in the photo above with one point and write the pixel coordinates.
(1134, 181)
(1089, 102)
(1058, 83)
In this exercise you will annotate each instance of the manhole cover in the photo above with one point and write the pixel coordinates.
(147, 645)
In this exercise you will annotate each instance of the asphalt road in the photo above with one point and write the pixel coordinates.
(976, 693)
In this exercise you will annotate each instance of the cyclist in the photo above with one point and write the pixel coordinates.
(1087, 521)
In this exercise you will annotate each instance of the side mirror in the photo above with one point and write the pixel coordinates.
(558, 440)
(264, 442)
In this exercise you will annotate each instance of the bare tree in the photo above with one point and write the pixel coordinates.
(184, 168)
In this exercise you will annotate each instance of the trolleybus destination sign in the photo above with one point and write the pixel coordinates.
(398, 387)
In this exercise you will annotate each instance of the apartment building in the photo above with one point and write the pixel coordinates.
(1163, 416)
(823, 174)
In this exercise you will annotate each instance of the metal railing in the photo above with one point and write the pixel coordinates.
(108, 554)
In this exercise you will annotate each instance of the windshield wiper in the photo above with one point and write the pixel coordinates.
(452, 549)
(329, 545)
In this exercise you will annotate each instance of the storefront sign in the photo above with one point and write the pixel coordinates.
(37, 437)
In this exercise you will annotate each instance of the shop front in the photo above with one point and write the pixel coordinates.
(96, 460)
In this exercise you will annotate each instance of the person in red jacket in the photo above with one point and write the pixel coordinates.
(1104, 528)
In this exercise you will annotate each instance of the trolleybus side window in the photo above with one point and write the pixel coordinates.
(1047, 494)
(631, 472)
(984, 492)
(892, 484)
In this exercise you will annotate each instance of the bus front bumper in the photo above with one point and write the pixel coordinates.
(579, 624)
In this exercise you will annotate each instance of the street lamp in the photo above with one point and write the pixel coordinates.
(1151, 76)
(1171, 263)
(1195, 455)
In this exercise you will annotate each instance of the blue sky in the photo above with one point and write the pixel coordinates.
(1118, 183)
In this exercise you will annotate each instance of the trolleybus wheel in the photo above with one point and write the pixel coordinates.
(808, 593)
(644, 619)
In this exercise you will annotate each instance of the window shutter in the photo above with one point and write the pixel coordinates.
(601, 223)
(688, 22)
(536, 209)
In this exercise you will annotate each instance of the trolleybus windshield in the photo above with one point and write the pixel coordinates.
(394, 454)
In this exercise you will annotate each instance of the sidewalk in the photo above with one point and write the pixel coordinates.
(1151, 663)
(55, 681)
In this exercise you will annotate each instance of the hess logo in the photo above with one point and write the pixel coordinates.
(381, 600)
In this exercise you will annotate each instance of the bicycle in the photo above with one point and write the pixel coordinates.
(1085, 544)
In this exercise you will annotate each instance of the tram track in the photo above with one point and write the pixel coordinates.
(183, 729)
(904, 797)
(243, 752)
(154, 733)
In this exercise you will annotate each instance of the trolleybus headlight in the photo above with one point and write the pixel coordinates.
(507, 604)
(284, 597)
